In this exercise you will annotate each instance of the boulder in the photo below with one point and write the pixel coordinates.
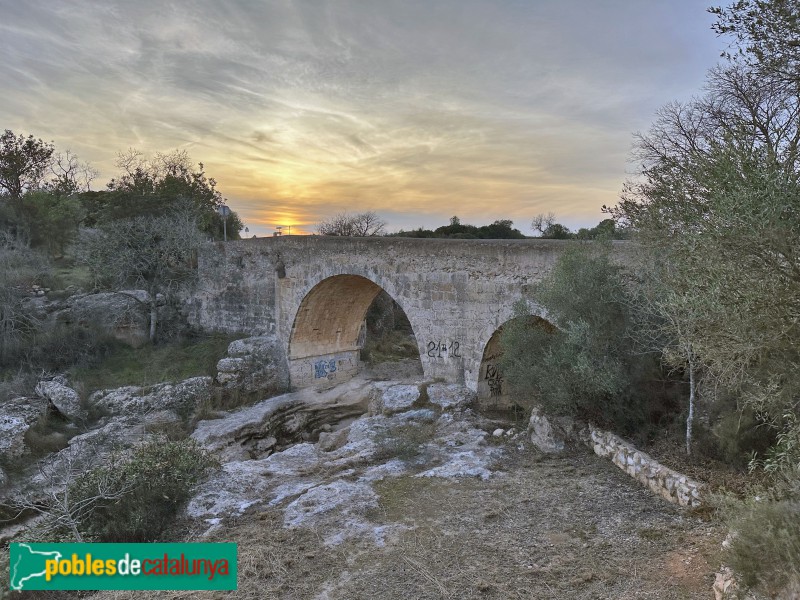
(181, 397)
(64, 398)
(124, 314)
(544, 435)
(450, 396)
(390, 399)
(255, 364)
(16, 417)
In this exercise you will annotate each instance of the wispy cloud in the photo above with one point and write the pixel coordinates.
(417, 109)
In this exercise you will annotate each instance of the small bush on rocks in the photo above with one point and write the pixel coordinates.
(157, 479)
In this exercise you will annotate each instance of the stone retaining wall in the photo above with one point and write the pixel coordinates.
(661, 480)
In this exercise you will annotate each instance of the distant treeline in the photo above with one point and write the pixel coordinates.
(504, 229)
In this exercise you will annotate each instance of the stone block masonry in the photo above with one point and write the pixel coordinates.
(312, 292)
(661, 480)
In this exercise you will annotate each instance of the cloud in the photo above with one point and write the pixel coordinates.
(417, 109)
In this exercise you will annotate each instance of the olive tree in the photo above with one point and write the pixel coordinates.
(585, 366)
(717, 204)
(152, 253)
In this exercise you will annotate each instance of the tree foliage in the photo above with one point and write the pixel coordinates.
(151, 253)
(716, 208)
(156, 186)
(24, 162)
(502, 229)
(766, 34)
(585, 366)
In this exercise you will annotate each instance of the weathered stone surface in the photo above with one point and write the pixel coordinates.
(284, 417)
(181, 397)
(671, 485)
(328, 486)
(124, 314)
(450, 396)
(544, 435)
(462, 464)
(393, 398)
(255, 364)
(330, 441)
(345, 498)
(64, 398)
(339, 510)
(16, 417)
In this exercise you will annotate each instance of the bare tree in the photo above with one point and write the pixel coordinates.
(542, 222)
(70, 175)
(364, 224)
(60, 506)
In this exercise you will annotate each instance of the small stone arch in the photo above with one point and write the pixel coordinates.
(328, 330)
(493, 394)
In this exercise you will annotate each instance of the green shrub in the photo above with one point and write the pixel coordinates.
(585, 366)
(740, 435)
(155, 480)
(766, 548)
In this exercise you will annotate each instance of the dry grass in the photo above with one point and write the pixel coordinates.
(564, 527)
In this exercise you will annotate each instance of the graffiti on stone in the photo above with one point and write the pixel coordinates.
(494, 379)
(324, 368)
(444, 349)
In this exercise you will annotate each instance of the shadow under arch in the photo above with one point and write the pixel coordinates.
(329, 330)
(493, 394)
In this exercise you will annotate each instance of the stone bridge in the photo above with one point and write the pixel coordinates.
(312, 293)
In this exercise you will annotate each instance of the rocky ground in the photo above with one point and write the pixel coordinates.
(381, 488)
(420, 497)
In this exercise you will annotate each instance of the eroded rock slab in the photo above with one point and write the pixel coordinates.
(327, 486)
(181, 397)
(287, 418)
(16, 417)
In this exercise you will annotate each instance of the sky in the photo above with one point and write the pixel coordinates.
(417, 109)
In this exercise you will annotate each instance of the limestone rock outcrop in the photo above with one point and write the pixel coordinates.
(62, 397)
(181, 397)
(254, 364)
(16, 417)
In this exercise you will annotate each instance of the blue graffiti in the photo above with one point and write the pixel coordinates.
(323, 368)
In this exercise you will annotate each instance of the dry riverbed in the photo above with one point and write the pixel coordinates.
(540, 526)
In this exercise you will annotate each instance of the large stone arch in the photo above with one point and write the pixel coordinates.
(493, 394)
(326, 334)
